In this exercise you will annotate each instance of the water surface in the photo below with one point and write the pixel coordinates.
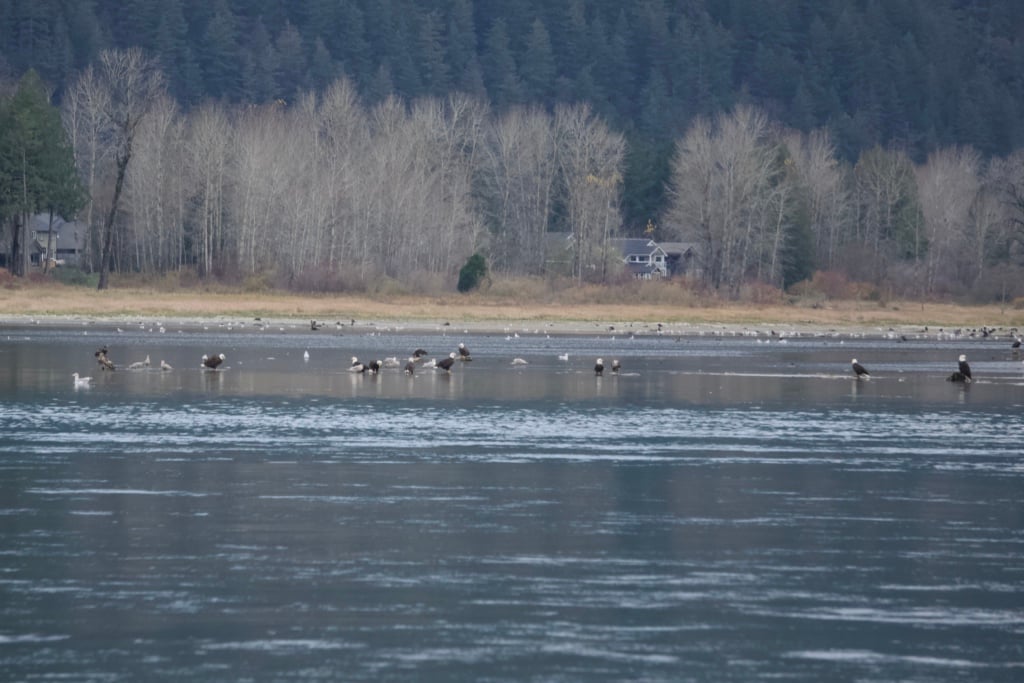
(726, 509)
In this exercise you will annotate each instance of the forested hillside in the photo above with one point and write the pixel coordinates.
(919, 73)
(849, 122)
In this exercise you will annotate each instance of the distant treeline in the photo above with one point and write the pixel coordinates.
(329, 192)
(914, 75)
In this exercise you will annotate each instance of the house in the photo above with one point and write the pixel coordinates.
(643, 257)
(68, 239)
(681, 258)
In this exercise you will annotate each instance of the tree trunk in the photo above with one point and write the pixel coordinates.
(108, 226)
(50, 246)
(17, 246)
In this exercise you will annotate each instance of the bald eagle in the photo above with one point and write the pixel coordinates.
(212, 362)
(859, 370)
(616, 366)
(965, 369)
(464, 352)
(446, 364)
(599, 367)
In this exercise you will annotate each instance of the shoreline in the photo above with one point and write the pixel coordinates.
(55, 306)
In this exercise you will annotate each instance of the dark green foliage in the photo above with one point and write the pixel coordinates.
(37, 166)
(473, 273)
(917, 74)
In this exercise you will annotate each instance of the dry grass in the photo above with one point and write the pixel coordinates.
(505, 305)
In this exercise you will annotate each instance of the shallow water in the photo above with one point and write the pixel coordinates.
(727, 508)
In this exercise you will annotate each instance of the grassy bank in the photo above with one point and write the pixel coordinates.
(504, 304)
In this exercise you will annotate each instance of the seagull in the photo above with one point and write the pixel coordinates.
(356, 366)
(519, 361)
(859, 370)
(164, 365)
(139, 364)
(81, 381)
(563, 356)
(305, 356)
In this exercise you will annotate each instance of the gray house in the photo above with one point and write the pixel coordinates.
(646, 259)
(67, 242)
(643, 257)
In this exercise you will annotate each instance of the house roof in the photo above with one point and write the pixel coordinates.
(635, 245)
(679, 247)
(70, 235)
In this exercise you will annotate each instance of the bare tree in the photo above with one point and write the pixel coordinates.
(590, 159)
(208, 146)
(517, 179)
(887, 211)
(259, 184)
(152, 187)
(725, 194)
(823, 181)
(86, 108)
(133, 83)
(948, 187)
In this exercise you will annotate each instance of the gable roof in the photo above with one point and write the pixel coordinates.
(69, 235)
(635, 245)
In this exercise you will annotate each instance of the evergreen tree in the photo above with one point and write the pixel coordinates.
(172, 51)
(261, 68)
(433, 67)
(499, 68)
(291, 61)
(538, 66)
(348, 42)
(37, 166)
(323, 70)
(219, 54)
(461, 44)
